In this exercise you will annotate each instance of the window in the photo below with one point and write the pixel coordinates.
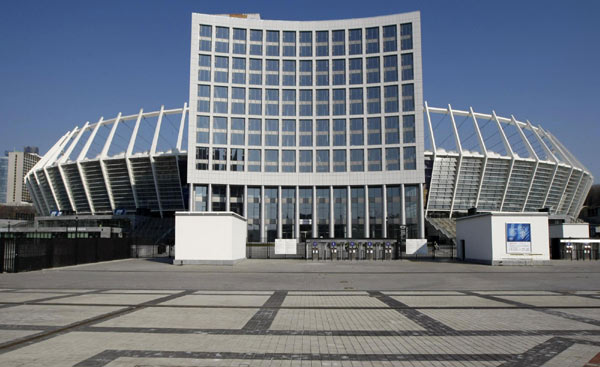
(272, 133)
(322, 133)
(374, 130)
(373, 100)
(339, 160)
(339, 102)
(390, 42)
(305, 73)
(253, 213)
(355, 42)
(254, 132)
(255, 101)
(239, 41)
(357, 163)
(272, 102)
(219, 130)
(322, 72)
(288, 161)
(372, 70)
(305, 44)
(200, 198)
(408, 129)
(390, 68)
(238, 72)
(410, 158)
(338, 72)
(322, 47)
(288, 99)
(220, 99)
(356, 101)
(408, 97)
(339, 132)
(253, 160)
(306, 131)
(305, 161)
(236, 160)
(236, 198)
(238, 101)
(356, 132)
(272, 72)
(288, 138)
(272, 43)
(255, 72)
(288, 212)
(372, 40)
(289, 73)
(411, 205)
(391, 98)
(392, 159)
(407, 67)
(205, 37)
(238, 131)
(306, 102)
(271, 160)
(289, 43)
(202, 158)
(202, 128)
(322, 102)
(376, 211)
(322, 160)
(256, 38)
(221, 69)
(270, 210)
(203, 98)
(374, 159)
(219, 159)
(392, 130)
(338, 39)
(204, 68)
(358, 211)
(394, 210)
(406, 36)
(323, 211)
(222, 40)
(355, 71)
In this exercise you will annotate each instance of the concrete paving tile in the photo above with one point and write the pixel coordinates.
(319, 319)
(110, 299)
(137, 291)
(235, 292)
(512, 292)
(576, 355)
(217, 300)
(337, 293)
(590, 313)
(555, 301)
(26, 297)
(10, 335)
(51, 315)
(48, 290)
(448, 301)
(399, 293)
(331, 301)
(187, 318)
(503, 319)
(588, 292)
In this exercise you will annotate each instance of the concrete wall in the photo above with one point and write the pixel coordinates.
(570, 230)
(485, 238)
(209, 238)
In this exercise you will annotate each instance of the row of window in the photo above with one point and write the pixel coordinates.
(304, 133)
(313, 207)
(336, 160)
(292, 102)
(292, 43)
(292, 72)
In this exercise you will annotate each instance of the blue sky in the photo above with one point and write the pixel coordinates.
(65, 62)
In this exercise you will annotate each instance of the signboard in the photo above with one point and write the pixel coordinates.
(285, 246)
(518, 238)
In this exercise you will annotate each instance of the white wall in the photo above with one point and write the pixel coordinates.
(485, 237)
(209, 237)
(570, 230)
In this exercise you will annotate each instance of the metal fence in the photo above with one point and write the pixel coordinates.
(26, 254)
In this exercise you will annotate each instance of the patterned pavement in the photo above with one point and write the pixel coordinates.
(137, 327)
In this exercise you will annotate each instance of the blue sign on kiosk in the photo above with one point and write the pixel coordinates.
(314, 244)
(333, 244)
(351, 244)
(370, 244)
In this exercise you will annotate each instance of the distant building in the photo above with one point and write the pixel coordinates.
(19, 164)
(3, 178)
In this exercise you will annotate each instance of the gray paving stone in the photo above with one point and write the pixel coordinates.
(107, 299)
(12, 335)
(51, 315)
(27, 296)
(218, 300)
(448, 301)
(555, 301)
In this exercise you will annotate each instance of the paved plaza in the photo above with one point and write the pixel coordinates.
(140, 312)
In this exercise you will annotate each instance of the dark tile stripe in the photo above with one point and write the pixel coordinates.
(544, 352)
(107, 356)
(427, 322)
(264, 317)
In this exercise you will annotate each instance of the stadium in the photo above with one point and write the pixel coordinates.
(310, 130)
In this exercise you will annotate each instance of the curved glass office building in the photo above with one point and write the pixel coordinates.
(308, 128)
